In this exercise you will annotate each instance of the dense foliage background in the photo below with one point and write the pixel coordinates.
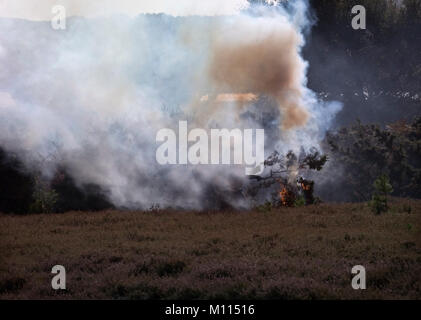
(376, 72)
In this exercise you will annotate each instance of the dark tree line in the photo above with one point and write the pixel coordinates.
(376, 72)
(362, 153)
(388, 51)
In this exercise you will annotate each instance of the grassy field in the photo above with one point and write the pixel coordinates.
(289, 253)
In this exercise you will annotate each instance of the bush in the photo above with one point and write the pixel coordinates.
(44, 198)
(264, 208)
(300, 202)
(382, 188)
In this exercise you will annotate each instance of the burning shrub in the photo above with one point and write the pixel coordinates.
(280, 174)
(287, 197)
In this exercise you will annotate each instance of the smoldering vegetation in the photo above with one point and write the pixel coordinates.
(114, 82)
(287, 253)
(88, 141)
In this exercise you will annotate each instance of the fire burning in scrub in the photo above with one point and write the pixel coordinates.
(281, 173)
(288, 195)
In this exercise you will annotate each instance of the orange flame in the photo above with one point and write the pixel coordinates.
(287, 197)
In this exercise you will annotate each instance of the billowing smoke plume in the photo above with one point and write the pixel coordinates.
(261, 55)
(92, 98)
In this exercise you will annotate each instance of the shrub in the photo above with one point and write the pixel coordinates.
(44, 198)
(382, 188)
(266, 207)
(300, 202)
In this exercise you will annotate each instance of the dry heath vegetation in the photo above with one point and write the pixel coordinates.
(286, 253)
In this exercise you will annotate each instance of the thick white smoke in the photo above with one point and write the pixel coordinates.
(92, 98)
(40, 10)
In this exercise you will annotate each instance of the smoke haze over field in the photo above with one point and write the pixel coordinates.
(92, 98)
(39, 10)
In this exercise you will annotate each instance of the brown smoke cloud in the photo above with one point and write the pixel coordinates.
(262, 59)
